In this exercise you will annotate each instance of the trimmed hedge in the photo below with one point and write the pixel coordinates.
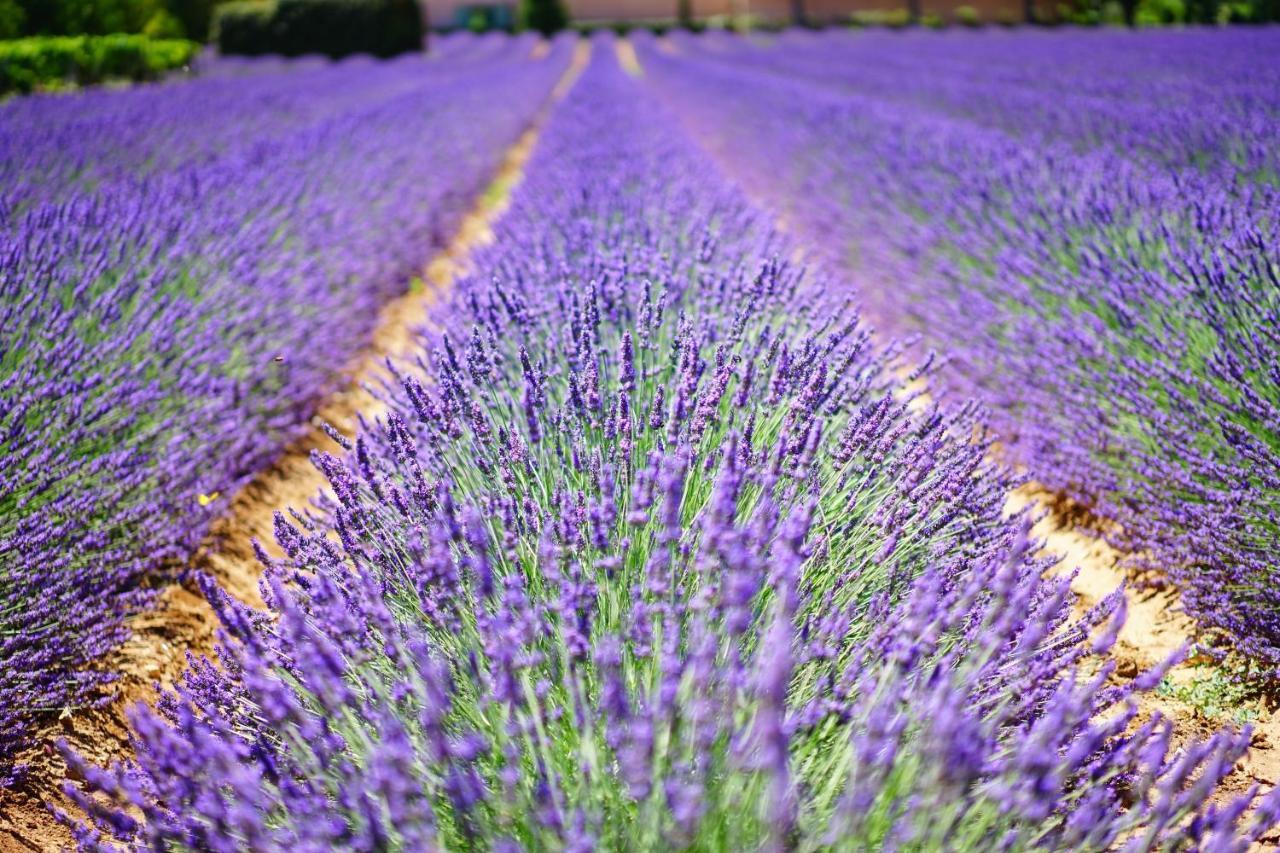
(544, 16)
(243, 28)
(334, 28)
(50, 61)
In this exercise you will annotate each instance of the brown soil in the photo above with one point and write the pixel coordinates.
(1155, 628)
(182, 622)
(627, 58)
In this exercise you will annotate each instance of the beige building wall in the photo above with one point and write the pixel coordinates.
(443, 13)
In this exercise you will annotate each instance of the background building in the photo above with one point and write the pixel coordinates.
(461, 13)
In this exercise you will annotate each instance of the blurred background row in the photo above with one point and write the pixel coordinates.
(59, 44)
(198, 20)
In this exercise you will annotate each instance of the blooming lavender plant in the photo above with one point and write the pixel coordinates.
(1085, 225)
(183, 271)
(651, 551)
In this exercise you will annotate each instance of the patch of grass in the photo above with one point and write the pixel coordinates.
(1222, 692)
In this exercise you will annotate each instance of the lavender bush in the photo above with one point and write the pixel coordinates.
(183, 270)
(652, 551)
(1086, 224)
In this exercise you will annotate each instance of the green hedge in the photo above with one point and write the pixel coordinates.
(155, 18)
(543, 16)
(334, 28)
(51, 61)
(243, 28)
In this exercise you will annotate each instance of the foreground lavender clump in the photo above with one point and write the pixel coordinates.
(1085, 223)
(183, 271)
(658, 556)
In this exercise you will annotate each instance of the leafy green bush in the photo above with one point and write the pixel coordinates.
(244, 28)
(967, 16)
(51, 61)
(194, 16)
(12, 17)
(1156, 12)
(334, 28)
(894, 18)
(544, 16)
(87, 17)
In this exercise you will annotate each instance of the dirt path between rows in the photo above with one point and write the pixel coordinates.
(182, 622)
(1155, 627)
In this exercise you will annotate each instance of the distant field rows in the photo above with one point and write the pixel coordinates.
(188, 268)
(656, 543)
(1085, 228)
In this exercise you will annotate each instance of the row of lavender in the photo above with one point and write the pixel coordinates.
(184, 269)
(1086, 224)
(653, 552)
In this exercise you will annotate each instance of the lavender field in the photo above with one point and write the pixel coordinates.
(679, 516)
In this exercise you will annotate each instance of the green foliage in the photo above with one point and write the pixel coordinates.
(195, 16)
(1165, 12)
(623, 28)
(52, 61)
(893, 18)
(1220, 692)
(967, 16)
(243, 28)
(1154, 12)
(163, 25)
(92, 17)
(11, 19)
(334, 28)
(543, 16)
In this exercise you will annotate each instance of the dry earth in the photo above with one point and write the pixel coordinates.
(1155, 628)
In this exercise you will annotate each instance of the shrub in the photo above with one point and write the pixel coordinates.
(335, 28)
(967, 16)
(543, 16)
(1157, 12)
(87, 17)
(195, 16)
(50, 61)
(243, 28)
(163, 25)
(343, 27)
(893, 18)
(12, 17)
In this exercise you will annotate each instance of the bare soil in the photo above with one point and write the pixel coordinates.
(183, 622)
(627, 57)
(1155, 628)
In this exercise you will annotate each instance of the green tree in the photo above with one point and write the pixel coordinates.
(194, 15)
(11, 19)
(544, 16)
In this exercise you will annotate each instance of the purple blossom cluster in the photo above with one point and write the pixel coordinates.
(653, 550)
(185, 268)
(1085, 223)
